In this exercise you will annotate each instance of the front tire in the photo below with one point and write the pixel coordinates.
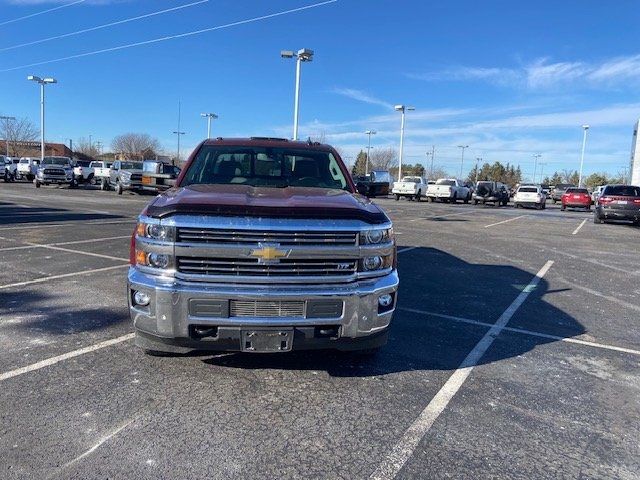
(597, 219)
(119, 188)
(563, 208)
(37, 183)
(418, 196)
(397, 197)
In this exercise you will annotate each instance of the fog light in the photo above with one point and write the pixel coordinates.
(158, 260)
(141, 298)
(372, 263)
(385, 300)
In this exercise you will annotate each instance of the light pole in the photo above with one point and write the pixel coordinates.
(462, 147)
(302, 55)
(366, 164)
(209, 117)
(402, 109)
(584, 144)
(535, 166)
(542, 164)
(42, 82)
(6, 129)
(178, 132)
(478, 160)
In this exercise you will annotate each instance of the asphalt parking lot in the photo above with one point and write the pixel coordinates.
(514, 353)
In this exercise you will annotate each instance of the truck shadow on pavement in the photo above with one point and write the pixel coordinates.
(439, 283)
(12, 213)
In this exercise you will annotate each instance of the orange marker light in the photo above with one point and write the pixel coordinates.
(141, 230)
(141, 257)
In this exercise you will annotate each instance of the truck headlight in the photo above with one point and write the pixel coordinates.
(155, 231)
(154, 260)
(376, 236)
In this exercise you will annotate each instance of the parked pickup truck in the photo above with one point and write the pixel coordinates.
(414, 188)
(264, 245)
(449, 190)
(375, 183)
(27, 168)
(83, 172)
(56, 171)
(158, 176)
(101, 172)
(125, 175)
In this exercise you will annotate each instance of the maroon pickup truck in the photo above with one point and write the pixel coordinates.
(263, 245)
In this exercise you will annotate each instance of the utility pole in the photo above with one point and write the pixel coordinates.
(71, 146)
(535, 166)
(478, 160)
(462, 147)
(178, 132)
(431, 154)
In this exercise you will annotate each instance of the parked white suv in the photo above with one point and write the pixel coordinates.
(530, 196)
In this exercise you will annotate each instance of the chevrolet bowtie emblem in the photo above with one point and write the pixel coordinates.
(269, 254)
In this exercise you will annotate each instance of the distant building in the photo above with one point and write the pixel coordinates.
(32, 149)
(635, 156)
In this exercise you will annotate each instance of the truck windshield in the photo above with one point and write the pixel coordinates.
(131, 165)
(56, 161)
(265, 167)
(445, 182)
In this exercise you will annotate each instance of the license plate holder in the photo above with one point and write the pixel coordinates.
(267, 340)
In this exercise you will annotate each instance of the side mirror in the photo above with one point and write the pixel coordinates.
(361, 188)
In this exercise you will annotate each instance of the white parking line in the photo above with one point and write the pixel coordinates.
(53, 360)
(64, 275)
(523, 331)
(406, 249)
(80, 252)
(505, 221)
(75, 242)
(403, 450)
(579, 227)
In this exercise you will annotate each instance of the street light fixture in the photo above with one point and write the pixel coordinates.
(462, 147)
(584, 144)
(402, 109)
(209, 117)
(302, 55)
(42, 82)
(366, 164)
(431, 154)
(6, 130)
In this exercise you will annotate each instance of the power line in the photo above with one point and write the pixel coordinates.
(106, 25)
(171, 37)
(42, 12)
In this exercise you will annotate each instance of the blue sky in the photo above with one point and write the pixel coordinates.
(509, 79)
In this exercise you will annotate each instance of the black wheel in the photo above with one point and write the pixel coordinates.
(119, 188)
(418, 196)
(91, 179)
(73, 184)
(397, 197)
(544, 206)
(455, 198)
(475, 202)
(430, 199)
(597, 219)
(37, 184)
(517, 205)
(563, 208)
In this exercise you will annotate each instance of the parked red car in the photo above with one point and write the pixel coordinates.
(576, 198)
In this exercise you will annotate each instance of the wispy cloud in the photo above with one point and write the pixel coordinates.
(543, 73)
(361, 96)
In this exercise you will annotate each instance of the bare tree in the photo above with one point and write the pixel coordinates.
(89, 149)
(136, 146)
(19, 133)
(384, 158)
(438, 172)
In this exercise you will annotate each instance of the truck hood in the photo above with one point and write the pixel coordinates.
(245, 200)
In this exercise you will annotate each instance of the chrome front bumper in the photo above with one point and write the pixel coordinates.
(168, 319)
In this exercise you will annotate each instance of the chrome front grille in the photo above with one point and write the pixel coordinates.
(260, 308)
(253, 237)
(136, 177)
(252, 268)
(54, 171)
